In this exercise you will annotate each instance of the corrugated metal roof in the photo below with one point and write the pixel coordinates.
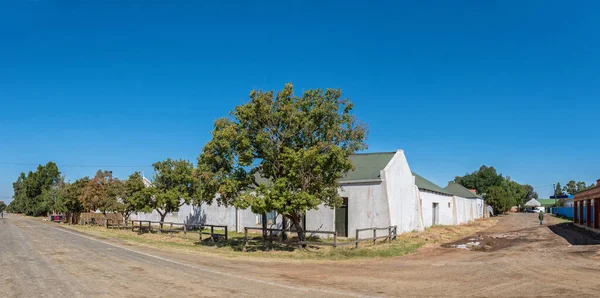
(367, 166)
(423, 183)
(461, 191)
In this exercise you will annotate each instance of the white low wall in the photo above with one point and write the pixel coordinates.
(444, 208)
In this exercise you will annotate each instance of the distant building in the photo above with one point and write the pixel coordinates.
(586, 205)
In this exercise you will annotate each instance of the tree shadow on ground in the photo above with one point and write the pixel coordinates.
(575, 235)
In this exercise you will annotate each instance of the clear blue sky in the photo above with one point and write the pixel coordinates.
(456, 84)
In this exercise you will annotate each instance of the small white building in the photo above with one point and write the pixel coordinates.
(382, 191)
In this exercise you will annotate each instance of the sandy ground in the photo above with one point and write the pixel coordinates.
(517, 258)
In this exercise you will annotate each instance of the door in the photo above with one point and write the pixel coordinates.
(341, 219)
(436, 214)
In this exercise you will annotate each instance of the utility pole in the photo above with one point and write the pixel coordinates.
(555, 204)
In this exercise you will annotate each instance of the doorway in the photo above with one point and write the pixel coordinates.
(436, 214)
(341, 219)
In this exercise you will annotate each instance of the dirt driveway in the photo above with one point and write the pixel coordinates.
(518, 258)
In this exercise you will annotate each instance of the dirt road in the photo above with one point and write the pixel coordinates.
(518, 257)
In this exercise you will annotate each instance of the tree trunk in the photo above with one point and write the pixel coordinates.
(264, 226)
(297, 221)
(162, 218)
(283, 228)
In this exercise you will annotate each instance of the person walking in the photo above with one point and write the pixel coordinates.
(541, 216)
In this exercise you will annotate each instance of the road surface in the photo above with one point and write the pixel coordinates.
(521, 258)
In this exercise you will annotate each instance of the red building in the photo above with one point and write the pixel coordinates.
(586, 207)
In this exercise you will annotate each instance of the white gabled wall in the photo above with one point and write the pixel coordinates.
(401, 194)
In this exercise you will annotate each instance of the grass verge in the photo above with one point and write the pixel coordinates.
(405, 244)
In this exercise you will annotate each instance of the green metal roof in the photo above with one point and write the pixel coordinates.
(546, 202)
(461, 191)
(368, 166)
(423, 183)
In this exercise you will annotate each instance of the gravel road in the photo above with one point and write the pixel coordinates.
(519, 258)
(42, 260)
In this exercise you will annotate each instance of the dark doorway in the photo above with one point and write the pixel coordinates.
(341, 219)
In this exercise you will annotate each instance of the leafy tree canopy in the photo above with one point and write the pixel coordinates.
(32, 192)
(282, 152)
(174, 185)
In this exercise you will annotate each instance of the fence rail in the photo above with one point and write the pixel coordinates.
(186, 228)
(391, 235)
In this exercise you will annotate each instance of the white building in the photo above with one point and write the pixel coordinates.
(382, 191)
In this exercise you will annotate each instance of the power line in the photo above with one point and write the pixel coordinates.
(74, 165)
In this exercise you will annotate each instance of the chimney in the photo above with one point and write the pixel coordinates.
(475, 192)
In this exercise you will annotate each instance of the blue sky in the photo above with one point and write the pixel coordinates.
(456, 84)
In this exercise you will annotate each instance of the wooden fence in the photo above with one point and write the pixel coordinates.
(392, 232)
(173, 227)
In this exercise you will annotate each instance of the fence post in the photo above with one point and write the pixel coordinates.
(184, 231)
(149, 226)
(106, 223)
(356, 245)
(140, 226)
(334, 239)
(374, 235)
(395, 232)
(171, 229)
(212, 233)
(226, 234)
(118, 224)
(200, 232)
(389, 234)
(245, 237)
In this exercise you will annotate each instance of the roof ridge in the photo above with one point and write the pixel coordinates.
(367, 153)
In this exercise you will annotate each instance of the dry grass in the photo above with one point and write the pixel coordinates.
(405, 244)
(437, 235)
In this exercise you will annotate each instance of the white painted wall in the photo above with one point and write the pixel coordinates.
(445, 208)
(367, 207)
(401, 194)
(321, 219)
(460, 214)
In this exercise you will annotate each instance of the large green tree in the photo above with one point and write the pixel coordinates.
(130, 195)
(282, 152)
(558, 190)
(571, 187)
(481, 179)
(498, 198)
(173, 185)
(531, 193)
(34, 193)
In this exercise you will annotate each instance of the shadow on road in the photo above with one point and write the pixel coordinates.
(575, 235)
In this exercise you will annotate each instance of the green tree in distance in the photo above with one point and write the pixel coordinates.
(481, 179)
(558, 191)
(2, 206)
(130, 195)
(531, 193)
(282, 152)
(571, 187)
(497, 198)
(174, 185)
(70, 198)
